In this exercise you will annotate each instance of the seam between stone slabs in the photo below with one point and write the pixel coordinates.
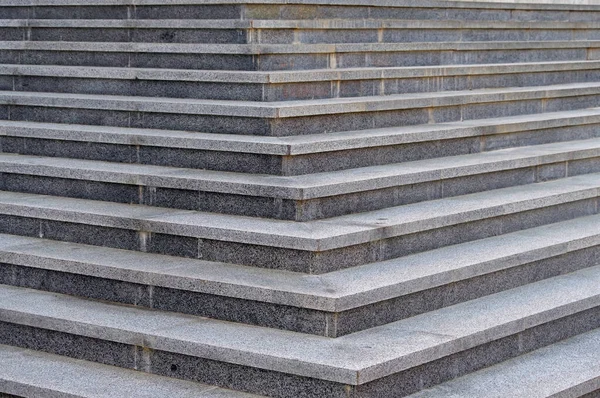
(262, 49)
(282, 77)
(374, 3)
(320, 235)
(290, 109)
(334, 292)
(305, 187)
(299, 145)
(345, 359)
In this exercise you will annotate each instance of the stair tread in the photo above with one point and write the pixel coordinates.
(335, 291)
(298, 145)
(295, 76)
(299, 108)
(567, 368)
(33, 373)
(255, 49)
(352, 359)
(316, 235)
(307, 186)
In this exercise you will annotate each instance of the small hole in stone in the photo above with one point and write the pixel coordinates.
(173, 368)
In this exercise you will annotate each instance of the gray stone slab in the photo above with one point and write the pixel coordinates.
(497, 130)
(289, 32)
(77, 285)
(568, 368)
(458, 4)
(345, 359)
(311, 24)
(294, 117)
(74, 188)
(315, 235)
(337, 291)
(29, 373)
(224, 76)
(458, 174)
(41, 276)
(297, 57)
(145, 88)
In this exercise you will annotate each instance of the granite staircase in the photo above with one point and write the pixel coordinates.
(299, 199)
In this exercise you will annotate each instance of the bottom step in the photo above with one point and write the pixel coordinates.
(26, 373)
(570, 368)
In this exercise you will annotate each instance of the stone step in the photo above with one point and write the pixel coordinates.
(310, 247)
(290, 31)
(273, 57)
(566, 369)
(297, 155)
(30, 373)
(388, 361)
(301, 9)
(289, 118)
(298, 198)
(332, 304)
(289, 86)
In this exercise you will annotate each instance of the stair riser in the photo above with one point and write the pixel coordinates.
(292, 318)
(134, 35)
(277, 384)
(152, 155)
(169, 121)
(166, 299)
(171, 89)
(14, 179)
(594, 394)
(289, 36)
(289, 165)
(221, 11)
(274, 62)
(498, 13)
(153, 196)
(290, 91)
(293, 11)
(279, 127)
(136, 60)
(289, 259)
